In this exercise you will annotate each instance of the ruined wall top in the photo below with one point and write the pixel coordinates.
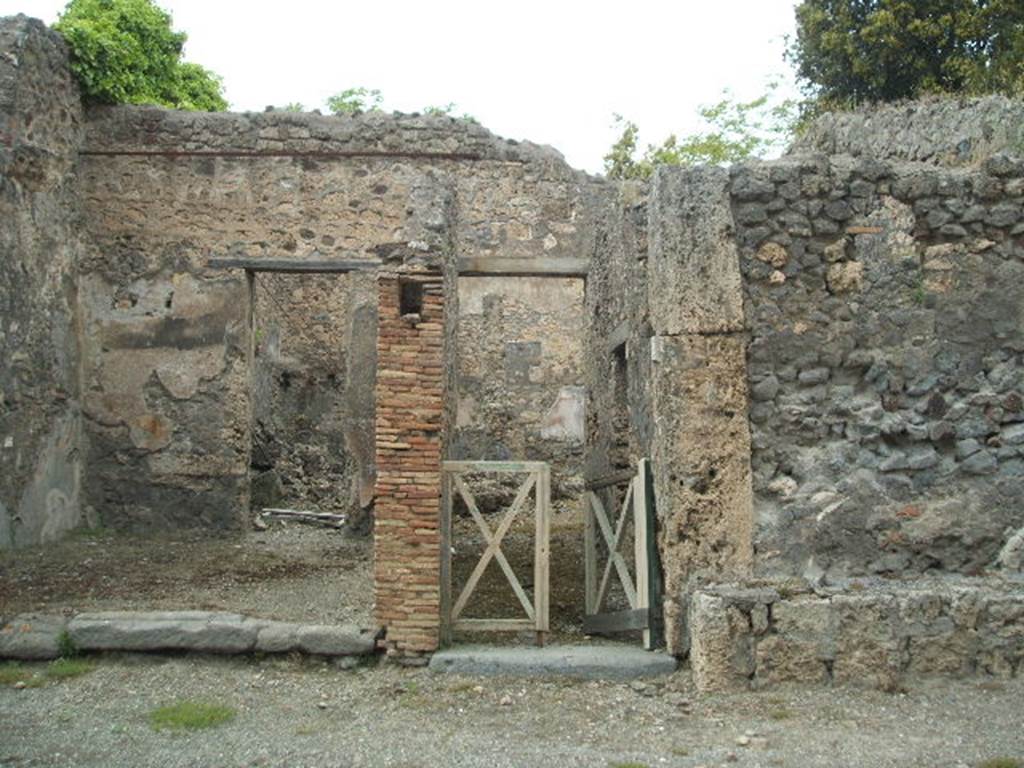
(154, 129)
(943, 131)
(40, 111)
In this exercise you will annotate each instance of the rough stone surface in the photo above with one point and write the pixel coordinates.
(602, 662)
(879, 634)
(948, 131)
(40, 246)
(283, 637)
(32, 637)
(693, 254)
(520, 356)
(205, 631)
(886, 371)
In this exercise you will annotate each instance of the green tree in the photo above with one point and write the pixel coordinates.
(850, 51)
(126, 52)
(354, 101)
(736, 130)
(449, 111)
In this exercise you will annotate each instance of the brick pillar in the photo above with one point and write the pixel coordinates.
(410, 404)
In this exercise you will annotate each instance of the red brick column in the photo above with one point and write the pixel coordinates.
(407, 512)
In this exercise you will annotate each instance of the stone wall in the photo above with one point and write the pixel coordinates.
(40, 246)
(167, 191)
(885, 362)
(312, 393)
(939, 130)
(666, 368)
(410, 415)
(868, 634)
(521, 393)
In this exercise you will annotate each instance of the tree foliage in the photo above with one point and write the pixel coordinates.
(354, 101)
(126, 52)
(849, 51)
(736, 130)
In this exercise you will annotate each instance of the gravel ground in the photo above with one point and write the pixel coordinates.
(289, 572)
(305, 713)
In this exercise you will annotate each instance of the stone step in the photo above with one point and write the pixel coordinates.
(586, 662)
(40, 637)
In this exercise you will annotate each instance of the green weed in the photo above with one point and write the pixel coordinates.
(65, 669)
(1001, 762)
(190, 716)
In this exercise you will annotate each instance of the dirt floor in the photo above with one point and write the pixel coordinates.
(303, 713)
(290, 572)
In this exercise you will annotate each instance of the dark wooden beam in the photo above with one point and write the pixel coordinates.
(294, 266)
(531, 266)
(606, 481)
(618, 621)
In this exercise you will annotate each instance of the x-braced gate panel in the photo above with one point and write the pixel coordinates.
(537, 482)
(643, 594)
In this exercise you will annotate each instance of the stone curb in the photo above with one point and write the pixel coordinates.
(601, 662)
(38, 637)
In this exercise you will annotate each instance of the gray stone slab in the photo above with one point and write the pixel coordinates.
(32, 637)
(596, 662)
(164, 631)
(342, 640)
(335, 640)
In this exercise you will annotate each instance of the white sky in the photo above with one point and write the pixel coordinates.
(553, 72)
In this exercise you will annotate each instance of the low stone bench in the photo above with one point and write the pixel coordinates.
(32, 637)
(877, 635)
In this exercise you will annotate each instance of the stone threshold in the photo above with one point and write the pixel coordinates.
(584, 662)
(41, 637)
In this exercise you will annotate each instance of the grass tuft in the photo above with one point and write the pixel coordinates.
(64, 669)
(1001, 762)
(190, 716)
(14, 672)
(780, 714)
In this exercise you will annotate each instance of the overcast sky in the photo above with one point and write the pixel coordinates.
(552, 72)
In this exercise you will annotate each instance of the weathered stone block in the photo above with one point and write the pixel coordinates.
(202, 631)
(721, 648)
(693, 253)
(32, 637)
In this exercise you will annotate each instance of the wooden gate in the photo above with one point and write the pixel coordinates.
(538, 480)
(642, 594)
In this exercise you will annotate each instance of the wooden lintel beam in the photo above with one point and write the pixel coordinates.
(533, 266)
(294, 266)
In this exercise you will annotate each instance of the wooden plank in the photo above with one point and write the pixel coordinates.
(618, 337)
(528, 266)
(656, 624)
(541, 571)
(589, 555)
(864, 230)
(462, 467)
(294, 266)
(640, 552)
(493, 545)
(617, 621)
(493, 625)
(446, 559)
(606, 481)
